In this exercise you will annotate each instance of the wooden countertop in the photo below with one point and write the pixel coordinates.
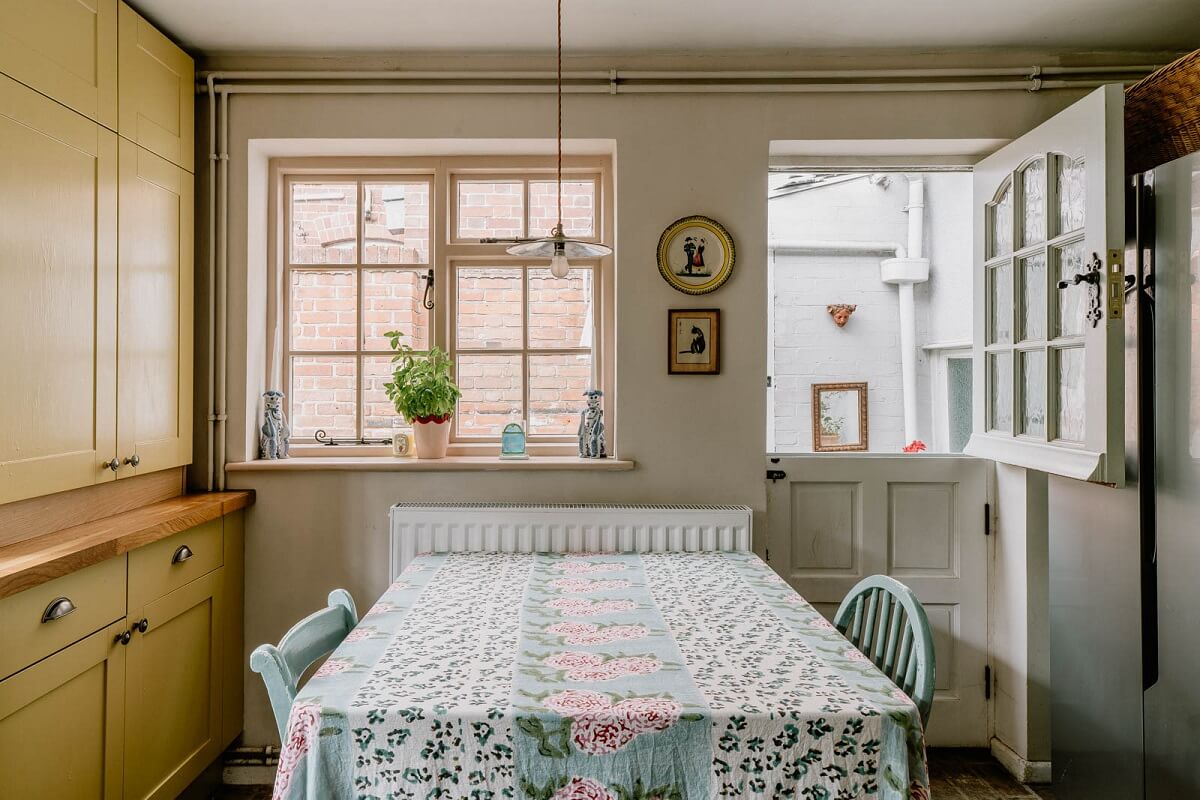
(34, 561)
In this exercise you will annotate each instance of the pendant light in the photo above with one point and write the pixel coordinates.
(556, 247)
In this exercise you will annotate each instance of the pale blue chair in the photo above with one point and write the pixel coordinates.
(313, 637)
(885, 621)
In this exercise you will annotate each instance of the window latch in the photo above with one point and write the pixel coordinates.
(427, 300)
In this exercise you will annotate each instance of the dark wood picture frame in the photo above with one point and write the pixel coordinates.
(710, 342)
(863, 417)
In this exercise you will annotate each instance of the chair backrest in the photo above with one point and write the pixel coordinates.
(315, 636)
(885, 621)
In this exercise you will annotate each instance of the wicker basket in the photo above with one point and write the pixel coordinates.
(1162, 115)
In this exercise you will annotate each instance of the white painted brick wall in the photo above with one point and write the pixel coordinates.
(808, 348)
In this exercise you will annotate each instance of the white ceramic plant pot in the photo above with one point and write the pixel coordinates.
(432, 438)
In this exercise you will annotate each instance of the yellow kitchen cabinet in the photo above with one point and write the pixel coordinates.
(62, 722)
(154, 317)
(58, 224)
(65, 49)
(156, 90)
(173, 675)
(233, 629)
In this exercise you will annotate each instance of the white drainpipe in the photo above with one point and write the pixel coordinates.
(905, 272)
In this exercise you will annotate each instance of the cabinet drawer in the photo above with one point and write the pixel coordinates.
(162, 567)
(94, 597)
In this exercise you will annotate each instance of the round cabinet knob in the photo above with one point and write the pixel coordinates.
(114, 465)
(133, 460)
(123, 638)
(141, 625)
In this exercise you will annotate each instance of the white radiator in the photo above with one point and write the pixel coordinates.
(563, 528)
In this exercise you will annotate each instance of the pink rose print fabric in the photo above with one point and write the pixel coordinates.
(579, 607)
(583, 789)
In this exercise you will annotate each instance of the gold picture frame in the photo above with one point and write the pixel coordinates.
(696, 255)
(839, 417)
(694, 341)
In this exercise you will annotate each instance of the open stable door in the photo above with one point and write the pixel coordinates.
(1049, 295)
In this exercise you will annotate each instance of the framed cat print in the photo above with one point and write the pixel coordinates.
(694, 341)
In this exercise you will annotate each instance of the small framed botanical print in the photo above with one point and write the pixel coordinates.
(839, 417)
(694, 341)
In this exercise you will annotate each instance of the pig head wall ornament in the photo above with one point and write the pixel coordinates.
(841, 313)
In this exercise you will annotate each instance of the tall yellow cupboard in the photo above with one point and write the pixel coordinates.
(154, 329)
(157, 91)
(58, 270)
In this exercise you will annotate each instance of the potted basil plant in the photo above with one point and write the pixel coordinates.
(422, 390)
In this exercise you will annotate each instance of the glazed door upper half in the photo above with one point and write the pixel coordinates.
(834, 520)
(1049, 295)
(58, 196)
(154, 340)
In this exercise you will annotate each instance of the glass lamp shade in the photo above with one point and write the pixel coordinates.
(552, 246)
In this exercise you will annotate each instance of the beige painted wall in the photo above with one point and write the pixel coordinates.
(675, 155)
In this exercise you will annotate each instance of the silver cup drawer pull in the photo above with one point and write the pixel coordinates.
(182, 554)
(59, 607)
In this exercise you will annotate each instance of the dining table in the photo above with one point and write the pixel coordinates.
(599, 676)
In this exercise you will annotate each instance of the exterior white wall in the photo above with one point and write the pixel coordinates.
(807, 347)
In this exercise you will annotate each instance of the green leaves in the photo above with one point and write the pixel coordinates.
(422, 386)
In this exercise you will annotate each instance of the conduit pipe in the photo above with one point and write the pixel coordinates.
(904, 272)
(222, 295)
(209, 454)
(835, 246)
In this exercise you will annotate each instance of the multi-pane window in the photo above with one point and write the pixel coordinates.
(359, 255)
(1036, 331)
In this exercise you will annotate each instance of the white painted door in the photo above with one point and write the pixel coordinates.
(834, 520)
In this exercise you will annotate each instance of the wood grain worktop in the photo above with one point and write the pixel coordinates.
(34, 561)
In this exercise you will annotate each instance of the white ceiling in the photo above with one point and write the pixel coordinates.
(677, 26)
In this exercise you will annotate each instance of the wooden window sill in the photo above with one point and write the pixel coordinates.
(448, 464)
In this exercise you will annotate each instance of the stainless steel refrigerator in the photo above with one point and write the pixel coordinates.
(1124, 577)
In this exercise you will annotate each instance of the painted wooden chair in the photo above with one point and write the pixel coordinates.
(885, 621)
(311, 638)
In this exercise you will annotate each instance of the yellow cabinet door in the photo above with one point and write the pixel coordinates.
(154, 318)
(58, 224)
(173, 690)
(157, 91)
(62, 721)
(66, 49)
(232, 629)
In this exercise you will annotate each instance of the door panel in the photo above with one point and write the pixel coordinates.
(58, 264)
(61, 723)
(65, 49)
(157, 90)
(154, 347)
(174, 690)
(835, 520)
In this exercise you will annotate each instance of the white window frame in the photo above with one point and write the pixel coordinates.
(446, 252)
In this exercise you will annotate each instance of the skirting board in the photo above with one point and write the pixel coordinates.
(1021, 769)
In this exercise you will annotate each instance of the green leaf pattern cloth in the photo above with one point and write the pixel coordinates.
(590, 676)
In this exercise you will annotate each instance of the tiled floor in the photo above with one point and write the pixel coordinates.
(954, 775)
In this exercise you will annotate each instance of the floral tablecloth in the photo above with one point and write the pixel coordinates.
(599, 677)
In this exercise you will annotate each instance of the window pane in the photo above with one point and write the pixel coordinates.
(1033, 203)
(324, 228)
(1072, 408)
(1033, 285)
(396, 223)
(1000, 325)
(392, 302)
(578, 208)
(1001, 218)
(1000, 387)
(489, 308)
(379, 415)
(1072, 185)
(323, 396)
(491, 393)
(322, 309)
(1072, 301)
(1033, 393)
(487, 208)
(556, 387)
(959, 377)
(560, 309)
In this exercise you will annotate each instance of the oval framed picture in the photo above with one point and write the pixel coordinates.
(696, 255)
